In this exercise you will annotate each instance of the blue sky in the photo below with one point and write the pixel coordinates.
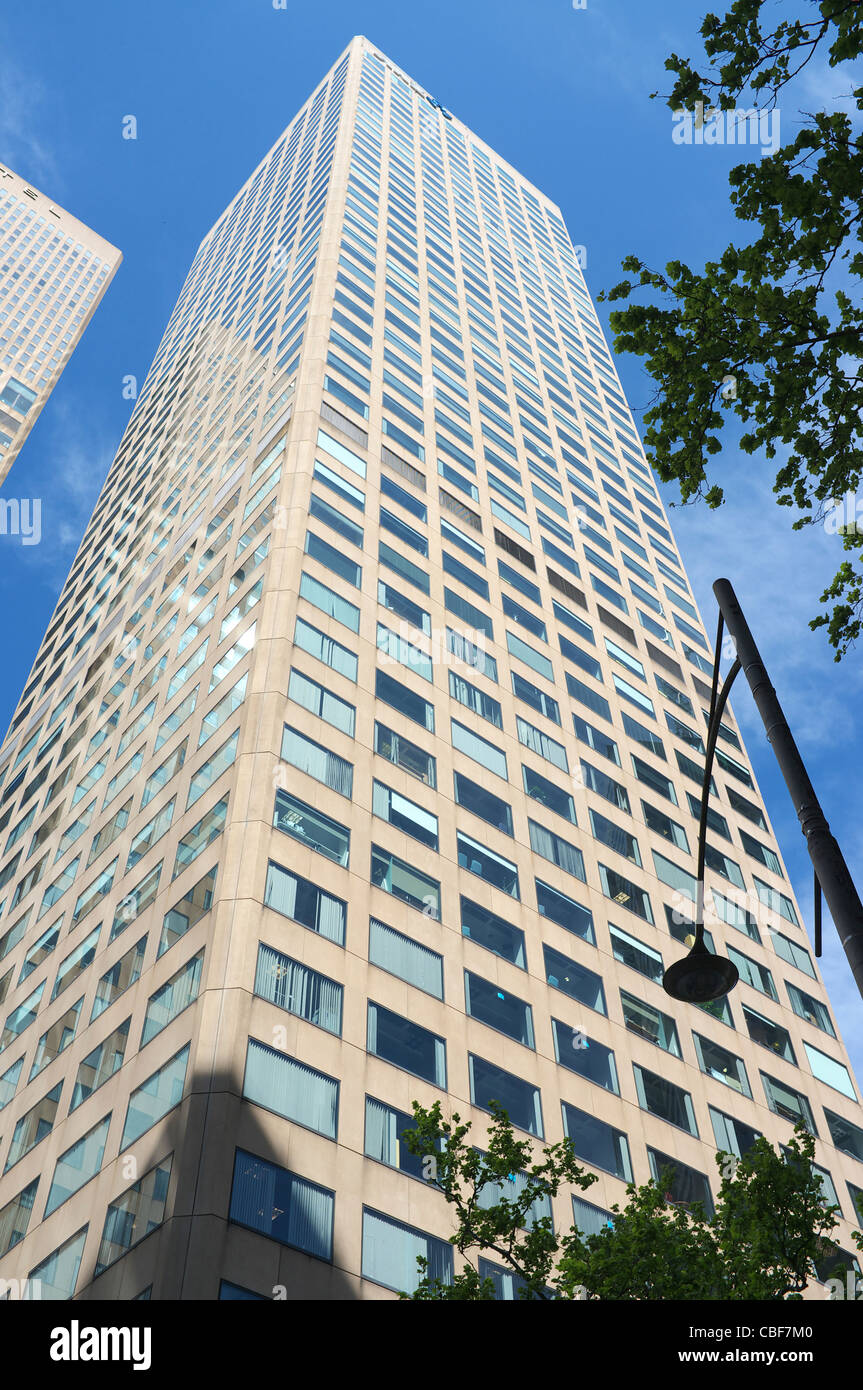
(563, 94)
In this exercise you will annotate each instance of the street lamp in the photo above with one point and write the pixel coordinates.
(702, 976)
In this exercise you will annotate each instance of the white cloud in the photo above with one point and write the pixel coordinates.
(830, 89)
(21, 112)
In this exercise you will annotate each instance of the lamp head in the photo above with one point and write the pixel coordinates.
(700, 976)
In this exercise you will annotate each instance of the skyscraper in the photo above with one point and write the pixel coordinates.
(360, 761)
(53, 272)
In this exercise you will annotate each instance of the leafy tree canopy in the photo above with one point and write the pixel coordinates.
(771, 331)
(769, 1224)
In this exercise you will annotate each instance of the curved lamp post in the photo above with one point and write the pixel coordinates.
(702, 976)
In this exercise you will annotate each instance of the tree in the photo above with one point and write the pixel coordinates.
(770, 1222)
(771, 331)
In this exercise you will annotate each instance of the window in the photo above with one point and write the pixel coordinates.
(557, 850)
(202, 834)
(210, 771)
(155, 1097)
(150, 834)
(316, 643)
(306, 903)
(395, 648)
(405, 882)
(597, 1143)
(55, 1039)
(615, 837)
(475, 699)
(650, 1023)
(318, 762)
(519, 1098)
(722, 1065)
(405, 1044)
(635, 697)
(790, 951)
(808, 1007)
(640, 732)
(58, 1274)
(383, 1138)
(595, 1062)
(715, 821)
(280, 1204)
(635, 954)
(775, 901)
(188, 912)
(15, 1217)
(117, 980)
(522, 651)
(590, 1220)
(657, 781)
(662, 824)
(492, 932)
(565, 911)
(100, 1064)
(661, 1097)
(391, 1249)
(404, 754)
(321, 833)
(591, 699)
(77, 1165)
(682, 731)
(327, 555)
(621, 890)
(681, 1184)
(828, 1070)
(482, 803)
(75, 963)
(175, 995)
(539, 742)
(735, 916)
(511, 1189)
(406, 815)
(289, 1088)
(734, 768)
(721, 864)
(573, 979)
(407, 959)
(329, 602)
(500, 872)
(605, 786)
(753, 973)
(471, 654)
(846, 1136)
(498, 1009)
(732, 1136)
(790, 1104)
(601, 743)
(400, 697)
(33, 1126)
(133, 1215)
(548, 794)
(746, 808)
(536, 698)
(321, 702)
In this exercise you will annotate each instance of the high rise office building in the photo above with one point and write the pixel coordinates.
(53, 272)
(360, 764)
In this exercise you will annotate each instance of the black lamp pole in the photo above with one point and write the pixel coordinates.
(701, 976)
